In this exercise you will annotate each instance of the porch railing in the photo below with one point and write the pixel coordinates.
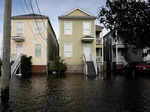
(84, 65)
(93, 58)
(16, 65)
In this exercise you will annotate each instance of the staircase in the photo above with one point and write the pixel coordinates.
(15, 65)
(90, 66)
(91, 69)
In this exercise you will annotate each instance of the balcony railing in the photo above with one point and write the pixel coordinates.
(99, 41)
(120, 60)
(99, 59)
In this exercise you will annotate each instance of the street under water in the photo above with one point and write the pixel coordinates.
(75, 93)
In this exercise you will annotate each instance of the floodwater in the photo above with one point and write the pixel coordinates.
(75, 93)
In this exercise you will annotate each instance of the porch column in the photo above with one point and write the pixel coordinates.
(116, 53)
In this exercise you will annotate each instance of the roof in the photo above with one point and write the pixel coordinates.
(77, 9)
(30, 16)
(65, 16)
(99, 28)
(77, 17)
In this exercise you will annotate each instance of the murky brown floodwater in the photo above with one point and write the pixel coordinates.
(76, 94)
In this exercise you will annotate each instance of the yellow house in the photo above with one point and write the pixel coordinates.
(33, 35)
(77, 39)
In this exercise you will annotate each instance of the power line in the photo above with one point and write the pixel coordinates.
(33, 16)
(36, 2)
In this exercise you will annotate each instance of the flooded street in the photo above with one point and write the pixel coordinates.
(76, 94)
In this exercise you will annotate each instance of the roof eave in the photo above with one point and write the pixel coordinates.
(76, 17)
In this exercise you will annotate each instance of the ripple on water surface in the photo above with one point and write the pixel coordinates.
(76, 94)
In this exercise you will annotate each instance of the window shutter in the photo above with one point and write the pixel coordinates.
(67, 27)
(38, 27)
(19, 28)
(67, 50)
(86, 28)
(38, 50)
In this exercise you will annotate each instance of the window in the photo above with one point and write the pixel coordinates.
(67, 50)
(19, 28)
(38, 50)
(19, 49)
(67, 27)
(38, 27)
(86, 28)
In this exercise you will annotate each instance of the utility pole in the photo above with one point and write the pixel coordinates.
(6, 70)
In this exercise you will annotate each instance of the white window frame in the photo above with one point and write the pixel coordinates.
(68, 50)
(19, 28)
(86, 27)
(38, 28)
(67, 27)
(38, 48)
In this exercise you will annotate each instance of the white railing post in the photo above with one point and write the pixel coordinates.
(85, 65)
(16, 65)
(95, 64)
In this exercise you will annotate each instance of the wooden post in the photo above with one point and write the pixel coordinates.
(6, 71)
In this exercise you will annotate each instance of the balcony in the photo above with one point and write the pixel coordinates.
(99, 58)
(99, 41)
(87, 39)
(119, 44)
(18, 38)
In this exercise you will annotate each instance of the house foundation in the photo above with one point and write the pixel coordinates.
(38, 68)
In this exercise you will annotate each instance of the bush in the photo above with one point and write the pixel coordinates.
(26, 65)
(59, 66)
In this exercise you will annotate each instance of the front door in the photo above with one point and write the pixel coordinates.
(87, 51)
(19, 49)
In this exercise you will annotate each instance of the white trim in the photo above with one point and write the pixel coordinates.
(87, 38)
(67, 13)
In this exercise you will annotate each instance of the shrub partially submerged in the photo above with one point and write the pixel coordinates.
(59, 66)
(26, 65)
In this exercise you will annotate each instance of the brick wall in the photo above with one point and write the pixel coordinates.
(38, 68)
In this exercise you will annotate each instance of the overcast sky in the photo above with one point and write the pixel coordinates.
(51, 8)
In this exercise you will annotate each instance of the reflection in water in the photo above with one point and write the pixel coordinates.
(74, 93)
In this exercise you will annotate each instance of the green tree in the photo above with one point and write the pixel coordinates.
(131, 20)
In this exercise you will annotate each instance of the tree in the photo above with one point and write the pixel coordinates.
(131, 20)
(26, 65)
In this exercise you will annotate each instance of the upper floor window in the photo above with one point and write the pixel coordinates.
(68, 50)
(67, 27)
(38, 50)
(38, 27)
(86, 28)
(19, 28)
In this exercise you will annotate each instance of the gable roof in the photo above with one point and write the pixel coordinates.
(30, 16)
(67, 15)
(79, 10)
